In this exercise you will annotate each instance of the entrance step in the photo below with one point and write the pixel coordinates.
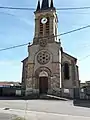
(51, 97)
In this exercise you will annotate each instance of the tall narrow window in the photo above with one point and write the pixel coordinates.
(66, 71)
(41, 28)
(47, 26)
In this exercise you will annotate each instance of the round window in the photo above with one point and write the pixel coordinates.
(43, 57)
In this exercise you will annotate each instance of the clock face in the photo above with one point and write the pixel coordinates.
(44, 20)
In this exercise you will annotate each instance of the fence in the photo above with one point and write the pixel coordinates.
(82, 93)
(11, 91)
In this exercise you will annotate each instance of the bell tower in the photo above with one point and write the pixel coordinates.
(45, 22)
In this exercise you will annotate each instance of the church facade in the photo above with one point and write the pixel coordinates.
(48, 69)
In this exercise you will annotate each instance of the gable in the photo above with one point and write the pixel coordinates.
(68, 58)
(25, 60)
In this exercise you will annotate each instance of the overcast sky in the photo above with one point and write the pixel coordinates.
(17, 27)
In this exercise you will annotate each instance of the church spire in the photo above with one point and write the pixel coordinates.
(38, 6)
(52, 5)
(45, 4)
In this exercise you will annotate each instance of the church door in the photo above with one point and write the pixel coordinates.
(43, 85)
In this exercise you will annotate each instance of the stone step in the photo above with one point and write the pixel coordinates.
(51, 97)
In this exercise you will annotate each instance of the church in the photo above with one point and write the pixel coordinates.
(48, 69)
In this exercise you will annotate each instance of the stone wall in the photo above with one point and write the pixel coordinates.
(68, 93)
(55, 86)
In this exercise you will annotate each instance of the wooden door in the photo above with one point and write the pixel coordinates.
(43, 85)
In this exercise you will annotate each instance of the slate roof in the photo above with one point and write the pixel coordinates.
(38, 6)
(45, 5)
(70, 56)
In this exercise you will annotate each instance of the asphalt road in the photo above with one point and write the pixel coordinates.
(6, 116)
(50, 110)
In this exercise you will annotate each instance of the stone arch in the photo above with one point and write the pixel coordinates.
(41, 69)
(43, 78)
(43, 74)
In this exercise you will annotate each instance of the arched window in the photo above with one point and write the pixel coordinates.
(66, 71)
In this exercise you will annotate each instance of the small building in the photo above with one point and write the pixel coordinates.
(10, 88)
(10, 84)
(85, 84)
(85, 90)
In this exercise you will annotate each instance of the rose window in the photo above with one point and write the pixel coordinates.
(43, 57)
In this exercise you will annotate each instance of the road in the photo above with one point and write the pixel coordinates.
(50, 110)
(6, 116)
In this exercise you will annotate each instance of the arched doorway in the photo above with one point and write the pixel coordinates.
(43, 82)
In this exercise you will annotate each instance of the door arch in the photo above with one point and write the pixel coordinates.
(43, 82)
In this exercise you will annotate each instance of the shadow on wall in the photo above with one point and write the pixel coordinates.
(82, 97)
(81, 103)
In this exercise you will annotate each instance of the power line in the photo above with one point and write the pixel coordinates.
(79, 13)
(75, 8)
(17, 46)
(32, 9)
(75, 30)
(65, 33)
(85, 13)
(21, 45)
(74, 12)
(84, 58)
(16, 8)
